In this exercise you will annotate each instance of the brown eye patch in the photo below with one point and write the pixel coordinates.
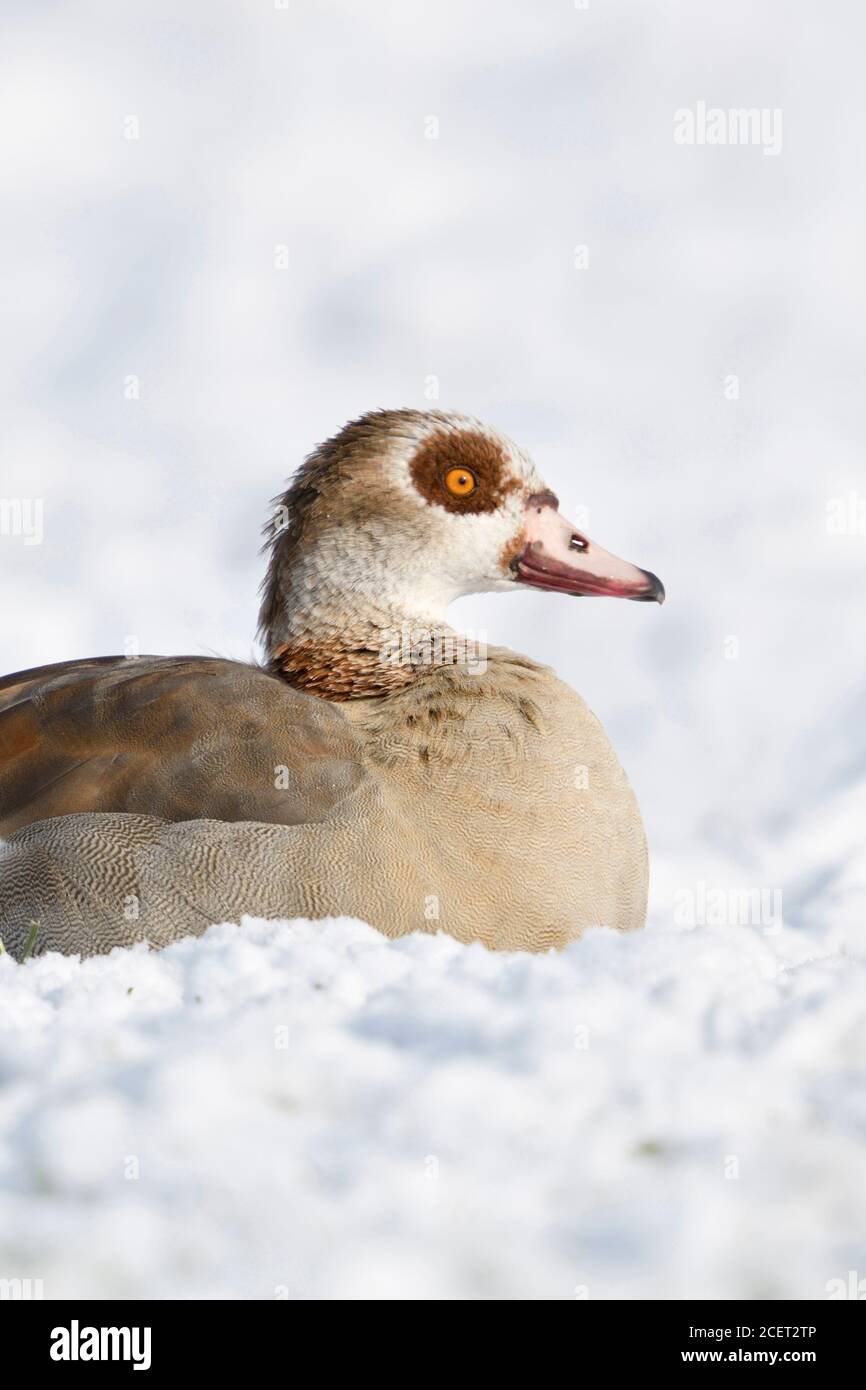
(447, 453)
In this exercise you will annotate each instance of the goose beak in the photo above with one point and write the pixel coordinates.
(558, 557)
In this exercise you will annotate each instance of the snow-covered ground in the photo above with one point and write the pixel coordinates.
(309, 1110)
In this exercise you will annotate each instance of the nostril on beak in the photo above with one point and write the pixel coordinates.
(578, 542)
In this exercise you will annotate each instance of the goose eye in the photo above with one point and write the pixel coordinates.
(460, 482)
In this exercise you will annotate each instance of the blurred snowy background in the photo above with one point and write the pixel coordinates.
(229, 227)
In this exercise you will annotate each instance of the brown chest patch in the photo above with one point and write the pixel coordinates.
(473, 451)
(337, 672)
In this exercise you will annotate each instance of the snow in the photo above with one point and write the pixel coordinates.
(296, 1110)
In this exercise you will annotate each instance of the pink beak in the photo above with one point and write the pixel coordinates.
(557, 556)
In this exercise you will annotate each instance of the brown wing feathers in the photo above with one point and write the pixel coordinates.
(180, 738)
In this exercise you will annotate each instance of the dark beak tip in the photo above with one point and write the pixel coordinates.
(655, 590)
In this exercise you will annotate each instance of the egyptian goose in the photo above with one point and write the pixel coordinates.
(376, 766)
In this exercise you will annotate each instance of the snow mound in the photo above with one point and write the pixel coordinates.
(296, 1109)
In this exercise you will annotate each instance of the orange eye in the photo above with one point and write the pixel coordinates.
(460, 482)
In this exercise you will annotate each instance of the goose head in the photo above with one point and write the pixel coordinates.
(391, 520)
